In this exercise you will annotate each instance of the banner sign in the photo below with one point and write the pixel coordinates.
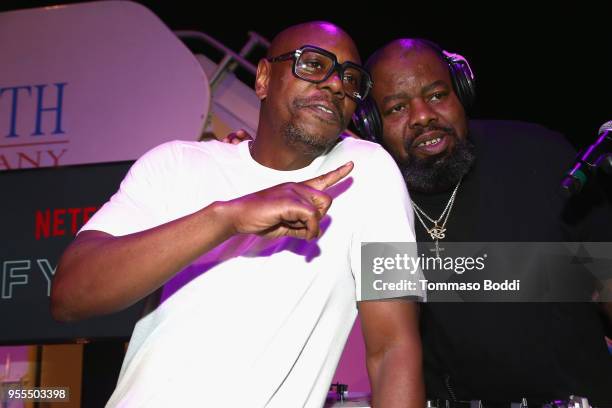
(41, 212)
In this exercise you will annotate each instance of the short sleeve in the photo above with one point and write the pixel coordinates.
(386, 230)
(140, 203)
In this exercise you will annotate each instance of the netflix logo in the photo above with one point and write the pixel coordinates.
(58, 222)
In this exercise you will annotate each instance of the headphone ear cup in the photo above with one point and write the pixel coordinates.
(463, 83)
(367, 120)
(360, 120)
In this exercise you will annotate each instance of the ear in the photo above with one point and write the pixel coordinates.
(262, 78)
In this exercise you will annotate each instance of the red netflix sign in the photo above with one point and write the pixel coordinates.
(58, 222)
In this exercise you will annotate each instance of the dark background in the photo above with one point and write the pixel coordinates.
(550, 67)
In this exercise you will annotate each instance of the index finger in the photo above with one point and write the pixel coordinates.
(329, 179)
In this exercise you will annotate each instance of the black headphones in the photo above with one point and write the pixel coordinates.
(367, 118)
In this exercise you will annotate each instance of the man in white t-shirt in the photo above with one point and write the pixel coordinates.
(262, 274)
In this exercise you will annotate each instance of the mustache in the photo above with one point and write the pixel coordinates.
(314, 100)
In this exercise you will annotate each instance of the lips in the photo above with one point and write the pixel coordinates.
(326, 112)
(325, 109)
(322, 107)
(431, 142)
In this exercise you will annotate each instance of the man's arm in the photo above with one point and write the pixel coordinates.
(100, 273)
(393, 352)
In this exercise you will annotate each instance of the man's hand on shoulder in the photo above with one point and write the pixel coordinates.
(236, 137)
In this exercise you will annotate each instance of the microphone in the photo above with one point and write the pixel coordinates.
(598, 155)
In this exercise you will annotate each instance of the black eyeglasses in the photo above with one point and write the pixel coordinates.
(316, 65)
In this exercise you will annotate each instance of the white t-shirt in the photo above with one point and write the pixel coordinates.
(255, 322)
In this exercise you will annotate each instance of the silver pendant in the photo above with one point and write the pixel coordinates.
(437, 248)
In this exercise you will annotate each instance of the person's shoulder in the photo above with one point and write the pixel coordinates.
(511, 135)
(172, 156)
(359, 150)
(206, 146)
(188, 148)
(171, 148)
(372, 162)
(514, 130)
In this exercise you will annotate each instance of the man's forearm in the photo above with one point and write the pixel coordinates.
(396, 378)
(101, 274)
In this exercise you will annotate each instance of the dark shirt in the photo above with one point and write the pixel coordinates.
(501, 352)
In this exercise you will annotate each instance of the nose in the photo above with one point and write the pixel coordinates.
(334, 84)
(421, 113)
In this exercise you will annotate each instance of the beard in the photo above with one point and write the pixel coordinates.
(309, 142)
(437, 174)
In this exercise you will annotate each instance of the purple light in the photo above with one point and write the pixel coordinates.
(329, 28)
